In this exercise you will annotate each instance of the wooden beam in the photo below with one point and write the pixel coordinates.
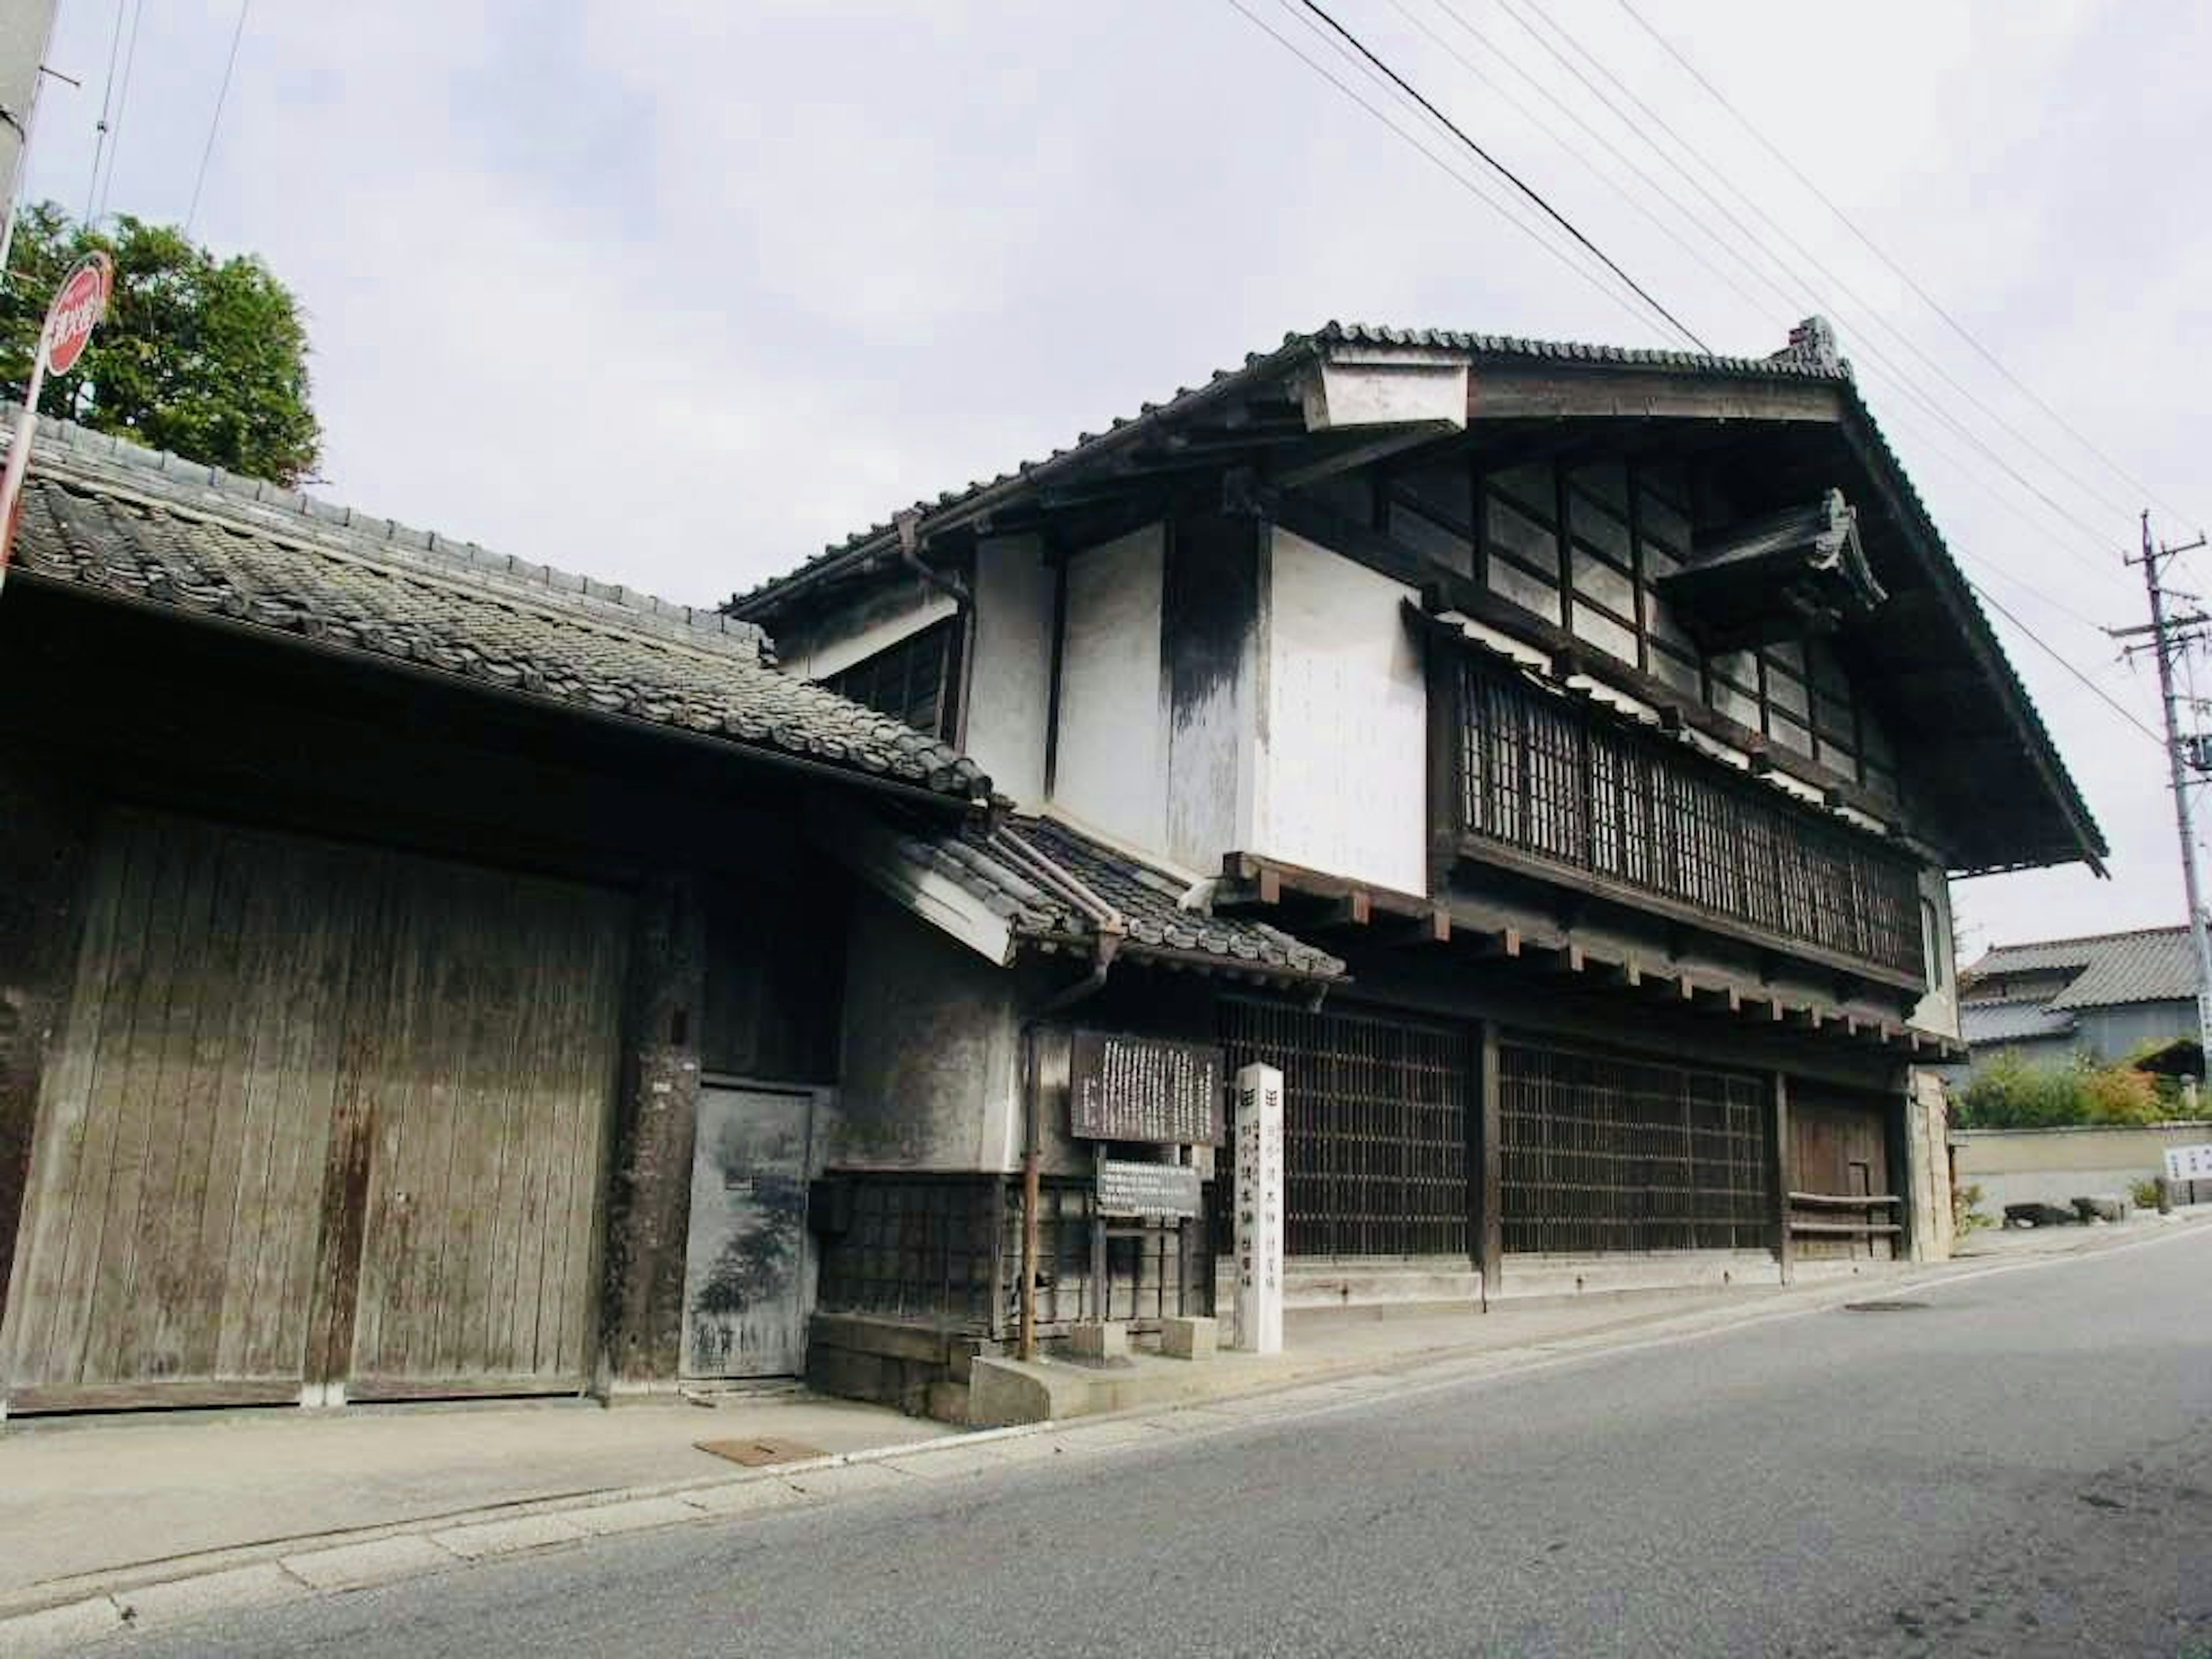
(1353, 910)
(1345, 457)
(1499, 392)
(1489, 1181)
(1777, 1175)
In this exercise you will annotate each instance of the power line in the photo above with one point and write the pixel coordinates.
(1901, 377)
(122, 108)
(1898, 270)
(215, 121)
(1473, 186)
(1506, 173)
(107, 103)
(2041, 645)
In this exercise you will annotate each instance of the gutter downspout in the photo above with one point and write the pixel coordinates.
(907, 522)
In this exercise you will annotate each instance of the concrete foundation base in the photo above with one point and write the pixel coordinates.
(1527, 1277)
(1099, 1339)
(1189, 1339)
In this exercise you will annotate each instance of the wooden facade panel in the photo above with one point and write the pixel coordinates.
(317, 1113)
(476, 1259)
(155, 1198)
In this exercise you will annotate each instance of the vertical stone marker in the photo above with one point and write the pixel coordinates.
(1259, 1210)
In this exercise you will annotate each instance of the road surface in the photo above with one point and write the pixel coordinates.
(2022, 1466)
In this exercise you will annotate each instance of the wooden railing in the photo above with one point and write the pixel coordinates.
(1551, 781)
(1865, 1227)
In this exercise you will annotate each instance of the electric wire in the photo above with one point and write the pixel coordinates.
(106, 103)
(1791, 301)
(1666, 227)
(1804, 254)
(1473, 186)
(2052, 652)
(1504, 171)
(1898, 270)
(215, 121)
(107, 183)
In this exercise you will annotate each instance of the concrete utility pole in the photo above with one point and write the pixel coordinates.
(27, 28)
(2168, 637)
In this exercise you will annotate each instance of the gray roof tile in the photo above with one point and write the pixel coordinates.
(115, 520)
(2151, 964)
(1982, 1023)
(1151, 903)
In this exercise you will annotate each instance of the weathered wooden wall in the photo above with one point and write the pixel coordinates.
(48, 829)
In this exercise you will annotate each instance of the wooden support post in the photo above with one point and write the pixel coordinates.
(1899, 1157)
(1490, 1253)
(1777, 1162)
(649, 1211)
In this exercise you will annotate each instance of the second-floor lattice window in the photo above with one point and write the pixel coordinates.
(1546, 778)
(917, 680)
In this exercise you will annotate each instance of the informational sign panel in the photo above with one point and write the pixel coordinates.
(1259, 1210)
(1149, 1190)
(1125, 1088)
(2189, 1162)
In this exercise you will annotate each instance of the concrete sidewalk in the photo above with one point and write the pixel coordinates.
(111, 1522)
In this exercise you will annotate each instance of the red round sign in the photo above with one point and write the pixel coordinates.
(78, 306)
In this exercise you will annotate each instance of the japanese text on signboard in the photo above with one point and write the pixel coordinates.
(1125, 1088)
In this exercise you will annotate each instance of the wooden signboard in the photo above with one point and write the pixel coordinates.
(1149, 1190)
(1141, 1089)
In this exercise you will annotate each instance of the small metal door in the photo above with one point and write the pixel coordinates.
(744, 1295)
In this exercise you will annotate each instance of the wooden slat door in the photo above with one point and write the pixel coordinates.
(488, 1104)
(169, 1241)
(1840, 1151)
(318, 1115)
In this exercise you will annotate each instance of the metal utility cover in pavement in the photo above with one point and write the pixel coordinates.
(760, 1453)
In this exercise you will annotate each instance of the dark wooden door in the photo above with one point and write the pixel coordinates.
(318, 1114)
(1839, 1151)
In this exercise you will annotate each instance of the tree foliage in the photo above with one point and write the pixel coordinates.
(2008, 1093)
(204, 356)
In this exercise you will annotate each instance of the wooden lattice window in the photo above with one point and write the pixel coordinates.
(1375, 1122)
(916, 681)
(1602, 1153)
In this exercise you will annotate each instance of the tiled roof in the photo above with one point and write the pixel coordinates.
(2151, 964)
(1260, 366)
(108, 516)
(1982, 1023)
(994, 866)
(1810, 356)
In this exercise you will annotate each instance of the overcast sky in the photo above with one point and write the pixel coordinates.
(676, 294)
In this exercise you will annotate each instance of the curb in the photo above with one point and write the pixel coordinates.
(63, 1615)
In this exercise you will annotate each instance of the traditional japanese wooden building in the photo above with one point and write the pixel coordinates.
(1605, 723)
(381, 920)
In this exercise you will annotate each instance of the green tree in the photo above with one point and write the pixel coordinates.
(204, 356)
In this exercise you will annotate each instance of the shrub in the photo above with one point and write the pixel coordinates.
(1966, 1216)
(2148, 1194)
(2008, 1093)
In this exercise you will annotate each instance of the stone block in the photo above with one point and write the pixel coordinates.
(1189, 1339)
(1099, 1339)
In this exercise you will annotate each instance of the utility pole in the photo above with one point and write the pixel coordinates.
(27, 28)
(2169, 637)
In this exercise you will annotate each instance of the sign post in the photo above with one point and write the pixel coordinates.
(78, 304)
(1259, 1210)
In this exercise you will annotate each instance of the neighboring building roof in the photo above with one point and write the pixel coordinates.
(1984, 1023)
(2150, 965)
(1163, 918)
(2063, 831)
(105, 517)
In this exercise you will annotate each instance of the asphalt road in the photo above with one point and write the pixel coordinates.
(2022, 1466)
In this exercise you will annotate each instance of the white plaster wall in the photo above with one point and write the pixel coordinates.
(849, 636)
(1938, 1010)
(1111, 771)
(1010, 681)
(1341, 781)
